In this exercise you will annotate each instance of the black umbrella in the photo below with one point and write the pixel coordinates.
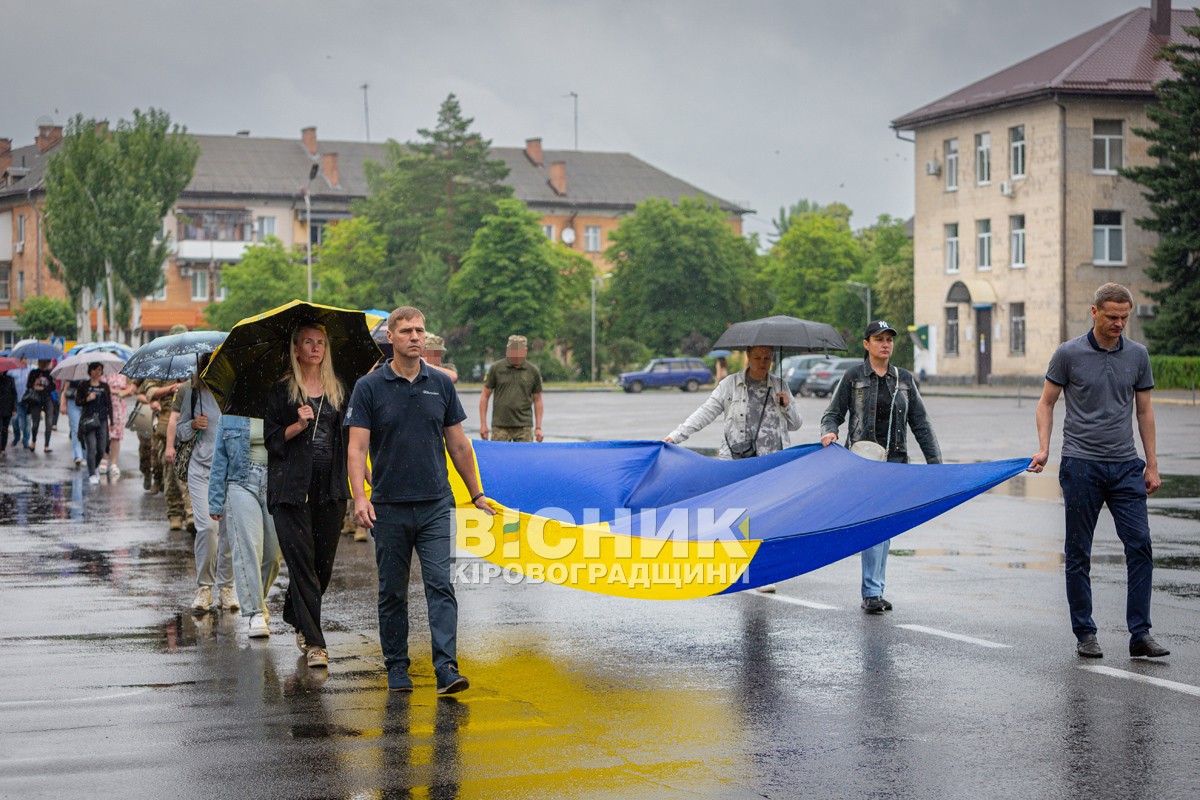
(379, 334)
(786, 333)
(258, 353)
(171, 358)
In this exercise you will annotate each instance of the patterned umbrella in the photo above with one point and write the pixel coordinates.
(36, 351)
(258, 353)
(171, 358)
(75, 368)
(123, 350)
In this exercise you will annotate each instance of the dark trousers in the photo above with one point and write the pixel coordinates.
(95, 444)
(308, 537)
(4, 421)
(1086, 486)
(401, 528)
(35, 417)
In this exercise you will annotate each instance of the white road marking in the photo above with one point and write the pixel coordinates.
(958, 637)
(783, 598)
(1186, 688)
(94, 698)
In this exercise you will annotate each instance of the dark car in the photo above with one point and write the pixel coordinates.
(795, 370)
(823, 378)
(685, 373)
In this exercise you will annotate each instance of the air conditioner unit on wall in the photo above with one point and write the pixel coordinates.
(1146, 310)
(1006, 188)
(933, 167)
(19, 247)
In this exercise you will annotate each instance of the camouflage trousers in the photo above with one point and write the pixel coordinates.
(147, 463)
(500, 434)
(179, 501)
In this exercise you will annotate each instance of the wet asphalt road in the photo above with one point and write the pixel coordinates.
(111, 689)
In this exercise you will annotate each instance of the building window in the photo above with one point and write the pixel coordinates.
(951, 330)
(983, 244)
(266, 227)
(316, 232)
(1016, 240)
(1108, 144)
(591, 238)
(549, 231)
(5, 272)
(222, 292)
(199, 285)
(952, 247)
(1016, 152)
(20, 230)
(198, 224)
(20, 286)
(983, 158)
(161, 294)
(1108, 238)
(1016, 331)
(951, 159)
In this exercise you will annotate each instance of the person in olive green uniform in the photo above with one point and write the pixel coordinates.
(517, 386)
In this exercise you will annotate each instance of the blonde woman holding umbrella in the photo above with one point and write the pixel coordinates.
(306, 480)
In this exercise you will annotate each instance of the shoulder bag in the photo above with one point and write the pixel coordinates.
(183, 452)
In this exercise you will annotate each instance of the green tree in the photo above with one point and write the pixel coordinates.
(888, 261)
(806, 271)
(678, 270)
(269, 275)
(1172, 186)
(575, 275)
(349, 265)
(427, 199)
(786, 215)
(43, 317)
(509, 282)
(106, 195)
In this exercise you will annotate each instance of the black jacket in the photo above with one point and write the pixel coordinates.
(289, 463)
(8, 395)
(856, 394)
(101, 407)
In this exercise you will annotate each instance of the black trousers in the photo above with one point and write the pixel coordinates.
(308, 536)
(95, 444)
(35, 416)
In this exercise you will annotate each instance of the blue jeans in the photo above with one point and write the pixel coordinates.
(1086, 486)
(428, 528)
(874, 569)
(20, 426)
(73, 413)
(251, 529)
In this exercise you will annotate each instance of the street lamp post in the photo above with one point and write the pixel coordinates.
(312, 173)
(858, 285)
(595, 283)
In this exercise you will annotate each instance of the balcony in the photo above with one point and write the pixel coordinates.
(206, 251)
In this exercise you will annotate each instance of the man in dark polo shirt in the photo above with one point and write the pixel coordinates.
(1107, 381)
(408, 416)
(517, 385)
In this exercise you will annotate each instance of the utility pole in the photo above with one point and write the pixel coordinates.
(575, 97)
(366, 111)
(858, 285)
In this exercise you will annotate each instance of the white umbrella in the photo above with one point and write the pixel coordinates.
(75, 368)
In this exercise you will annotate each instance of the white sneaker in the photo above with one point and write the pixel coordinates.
(203, 600)
(93, 479)
(259, 629)
(766, 588)
(114, 472)
(228, 600)
(103, 468)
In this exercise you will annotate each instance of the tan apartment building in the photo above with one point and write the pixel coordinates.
(245, 189)
(1020, 212)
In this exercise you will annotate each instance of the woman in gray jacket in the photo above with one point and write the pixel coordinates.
(198, 416)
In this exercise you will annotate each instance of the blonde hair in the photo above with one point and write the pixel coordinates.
(331, 387)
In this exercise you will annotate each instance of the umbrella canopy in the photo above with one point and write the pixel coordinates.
(75, 368)
(7, 363)
(123, 350)
(379, 334)
(171, 358)
(787, 333)
(258, 353)
(37, 351)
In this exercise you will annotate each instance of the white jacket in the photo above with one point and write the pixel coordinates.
(731, 399)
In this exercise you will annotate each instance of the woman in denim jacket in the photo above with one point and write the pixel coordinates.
(237, 488)
(883, 403)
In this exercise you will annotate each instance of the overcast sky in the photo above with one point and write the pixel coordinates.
(761, 102)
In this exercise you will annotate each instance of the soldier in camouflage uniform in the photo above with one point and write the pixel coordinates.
(179, 505)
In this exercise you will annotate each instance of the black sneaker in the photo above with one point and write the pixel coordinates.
(1146, 646)
(887, 604)
(873, 605)
(1088, 647)
(450, 682)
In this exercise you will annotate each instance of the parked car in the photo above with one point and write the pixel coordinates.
(687, 374)
(823, 378)
(795, 370)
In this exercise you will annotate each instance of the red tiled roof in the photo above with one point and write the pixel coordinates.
(1117, 57)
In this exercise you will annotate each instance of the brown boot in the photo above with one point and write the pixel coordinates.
(176, 523)
(360, 534)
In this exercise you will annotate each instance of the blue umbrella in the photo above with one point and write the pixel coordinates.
(37, 351)
(123, 350)
(718, 354)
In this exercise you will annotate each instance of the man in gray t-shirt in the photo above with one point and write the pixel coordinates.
(1106, 379)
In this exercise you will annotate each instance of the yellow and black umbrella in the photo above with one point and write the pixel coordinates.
(258, 353)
